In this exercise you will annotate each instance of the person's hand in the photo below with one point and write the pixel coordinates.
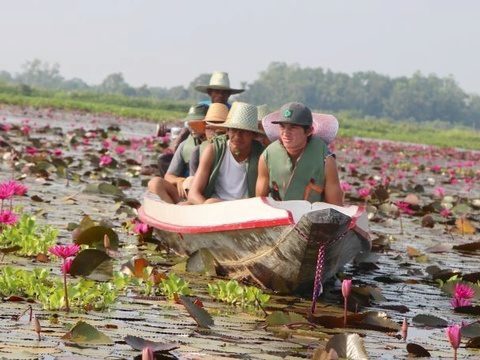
(182, 194)
(212, 200)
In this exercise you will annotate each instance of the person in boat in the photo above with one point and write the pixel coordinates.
(216, 114)
(218, 89)
(171, 188)
(298, 166)
(228, 166)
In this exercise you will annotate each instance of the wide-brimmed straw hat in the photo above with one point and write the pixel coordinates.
(217, 113)
(325, 126)
(242, 116)
(218, 81)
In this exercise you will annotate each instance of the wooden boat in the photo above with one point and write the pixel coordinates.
(275, 243)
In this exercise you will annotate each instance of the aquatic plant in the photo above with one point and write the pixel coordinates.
(454, 335)
(31, 238)
(231, 292)
(346, 290)
(173, 286)
(462, 295)
(65, 252)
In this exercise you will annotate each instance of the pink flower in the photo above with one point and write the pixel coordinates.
(404, 207)
(454, 335)
(105, 160)
(64, 251)
(352, 168)
(459, 302)
(31, 150)
(345, 186)
(6, 127)
(439, 192)
(147, 354)
(25, 129)
(436, 168)
(67, 264)
(464, 291)
(364, 192)
(120, 149)
(18, 188)
(106, 144)
(7, 217)
(7, 190)
(445, 213)
(346, 287)
(58, 152)
(140, 228)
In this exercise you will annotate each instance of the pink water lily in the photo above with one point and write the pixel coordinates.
(364, 193)
(140, 228)
(105, 160)
(345, 186)
(404, 207)
(7, 217)
(67, 264)
(7, 190)
(346, 290)
(454, 335)
(120, 149)
(464, 291)
(64, 251)
(439, 192)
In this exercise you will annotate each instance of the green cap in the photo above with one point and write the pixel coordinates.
(294, 113)
(197, 112)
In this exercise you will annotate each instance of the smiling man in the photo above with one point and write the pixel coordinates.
(298, 166)
(228, 166)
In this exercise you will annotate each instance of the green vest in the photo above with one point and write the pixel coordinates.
(220, 147)
(187, 149)
(292, 180)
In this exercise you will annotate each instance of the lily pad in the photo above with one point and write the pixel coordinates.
(471, 330)
(473, 343)
(348, 346)
(138, 343)
(84, 333)
(278, 318)
(94, 236)
(89, 260)
(429, 320)
(473, 246)
(417, 350)
(200, 315)
(378, 321)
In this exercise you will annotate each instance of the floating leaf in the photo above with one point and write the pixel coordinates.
(138, 343)
(461, 209)
(471, 310)
(109, 189)
(278, 318)
(84, 333)
(417, 350)
(200, 315)
(473, 343)
(93, 236)
(87, 261)
(439, 248)
(464, 226)
(348, 346)
(136, 267)
(473, 246)
(378, 321)
(471, 330)
(429, 320)
(10, 249)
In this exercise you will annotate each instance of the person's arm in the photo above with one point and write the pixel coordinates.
(194, 161)
(263, 179)
(175, 170)
(333, 192)
(200, 180)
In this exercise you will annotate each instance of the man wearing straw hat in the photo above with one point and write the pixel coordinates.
(228, 166)
(218, 88)
(171, 188)
(298, 166)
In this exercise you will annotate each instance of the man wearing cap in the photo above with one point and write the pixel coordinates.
(218, 88)
(298, 166)
(171, 188)
(228, 166)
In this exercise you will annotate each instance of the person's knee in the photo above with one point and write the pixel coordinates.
(155, 184)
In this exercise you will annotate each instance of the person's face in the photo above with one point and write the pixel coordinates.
(240, 140)
(294, 136)
(219, 96)
(213, 130)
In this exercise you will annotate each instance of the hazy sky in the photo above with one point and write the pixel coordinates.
(166, 43)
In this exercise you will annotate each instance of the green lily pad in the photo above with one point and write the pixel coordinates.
(200, 315)
(89, 260)
(84, 333)
(278, 318)
(138, 343)
(429, 320)
(94, 236)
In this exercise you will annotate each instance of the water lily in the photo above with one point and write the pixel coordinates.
(105, 160)
(65, 252)
(404, 207)
(454, 335)
(7, 217)
(140, 228)
(346, 290)
(120, 149)
(57, 152)
(147, 354)
(439, 192)
(7, 190)
(364, 193)
(464, 291)
(345, 186)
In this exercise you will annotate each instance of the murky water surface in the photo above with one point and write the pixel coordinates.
(403, 280)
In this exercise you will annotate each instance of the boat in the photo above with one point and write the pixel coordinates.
(280, 245)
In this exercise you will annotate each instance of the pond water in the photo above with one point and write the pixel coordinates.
(406, 288)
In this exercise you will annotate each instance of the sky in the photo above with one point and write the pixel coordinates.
(168, 43)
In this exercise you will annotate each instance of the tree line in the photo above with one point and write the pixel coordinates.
(366, 94)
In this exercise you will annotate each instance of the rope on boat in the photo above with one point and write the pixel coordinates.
(317, 282)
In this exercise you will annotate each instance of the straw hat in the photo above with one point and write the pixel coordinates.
(242, 116)
(218, 81)
(325, 126)
(217, 113)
